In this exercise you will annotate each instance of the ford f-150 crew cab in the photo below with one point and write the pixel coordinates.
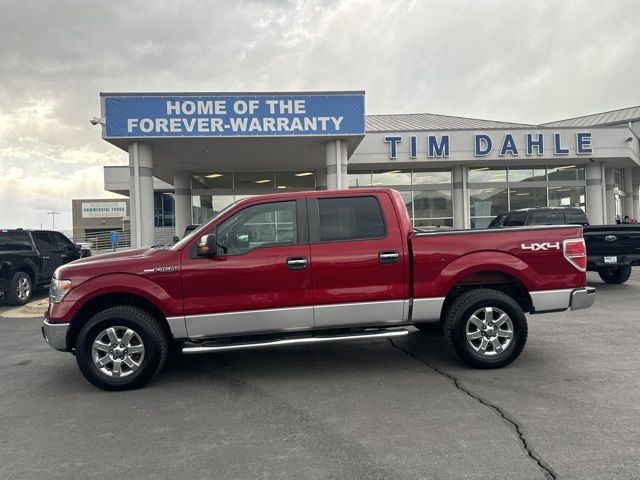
(311, 267)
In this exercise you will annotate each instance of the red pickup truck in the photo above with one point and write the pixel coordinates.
(312, 267)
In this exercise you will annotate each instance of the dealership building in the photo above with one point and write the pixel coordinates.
(192, 154)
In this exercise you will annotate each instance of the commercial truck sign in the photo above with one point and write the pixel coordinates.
(104, 209)
(233, 116)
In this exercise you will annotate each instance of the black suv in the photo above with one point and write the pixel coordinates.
(28, 259)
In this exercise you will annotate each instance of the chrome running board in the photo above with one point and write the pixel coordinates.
(294, 341)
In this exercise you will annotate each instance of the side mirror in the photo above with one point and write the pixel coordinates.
(176, 239)
(207, 246)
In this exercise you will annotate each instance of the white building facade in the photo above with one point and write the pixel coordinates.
(452, 171)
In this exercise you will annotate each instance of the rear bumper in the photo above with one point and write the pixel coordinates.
(582, 298)
(596, 263)
(55, 334)
(559, 300)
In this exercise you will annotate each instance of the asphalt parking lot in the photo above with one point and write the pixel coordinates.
(568, 408)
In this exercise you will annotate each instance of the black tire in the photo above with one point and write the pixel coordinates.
(432, 328)
(18, 282)
(616, 276)
(460, 313)
(148, 330)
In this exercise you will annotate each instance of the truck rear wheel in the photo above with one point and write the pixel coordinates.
(121, 348)
(20, 289)
(486, 328)
(616, 276)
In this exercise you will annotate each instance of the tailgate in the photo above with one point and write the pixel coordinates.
(612, 240)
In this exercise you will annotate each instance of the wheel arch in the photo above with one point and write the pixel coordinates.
(107, 300)
(505, 282)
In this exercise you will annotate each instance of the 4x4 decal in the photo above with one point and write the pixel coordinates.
(541, 246)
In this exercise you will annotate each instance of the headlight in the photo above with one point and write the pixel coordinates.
(58, 289)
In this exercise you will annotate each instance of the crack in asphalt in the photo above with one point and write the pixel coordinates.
(546, 468)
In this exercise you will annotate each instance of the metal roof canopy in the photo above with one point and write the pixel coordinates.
(234, 153)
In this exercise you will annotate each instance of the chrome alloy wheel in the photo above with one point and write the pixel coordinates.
(489, 331)
(117, 351)
(23, 289)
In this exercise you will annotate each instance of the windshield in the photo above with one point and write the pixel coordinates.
(12, 241)
(200, 229)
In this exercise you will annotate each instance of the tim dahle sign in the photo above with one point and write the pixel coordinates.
(509, 144)
(104, 209)
(233, 116)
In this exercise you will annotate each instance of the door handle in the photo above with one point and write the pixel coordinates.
(389, 257)
(297, 263)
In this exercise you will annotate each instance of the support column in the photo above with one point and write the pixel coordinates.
(458, 199)
(610, 197)
(321, 179)
(182, 198)
(628, 192)
(595, 187)
(336, 155)
(141, 194)
(635, 184)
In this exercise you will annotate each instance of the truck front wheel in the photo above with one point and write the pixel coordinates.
(121, 348)
(486, 328)
(616, 276)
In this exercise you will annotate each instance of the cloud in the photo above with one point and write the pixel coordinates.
(512, 60)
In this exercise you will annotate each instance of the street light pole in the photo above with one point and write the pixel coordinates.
(53, 219)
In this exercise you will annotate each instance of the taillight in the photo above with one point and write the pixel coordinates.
(576, 252)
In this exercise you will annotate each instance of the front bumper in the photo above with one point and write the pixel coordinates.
(583, 298)
(56, 335)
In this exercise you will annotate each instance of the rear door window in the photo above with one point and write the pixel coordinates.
(540, 218)
(576, 217)
(516, 219)
(61, 241)
(350, 218)
(12, 241)
(44, 242)
(558, 218)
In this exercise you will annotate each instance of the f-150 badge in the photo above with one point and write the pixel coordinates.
(541, 246)
(160, 270)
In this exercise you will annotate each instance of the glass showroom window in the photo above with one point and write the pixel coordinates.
(487, 174)
(359, 178)
(527, 174)
(428, 177)
(205, 207)
(391, 177)
(163, 209)
(567, 197)
(528, 197)
(432, 207)
(295, 180)
(210, 180)
(565, 172)
(487, 203)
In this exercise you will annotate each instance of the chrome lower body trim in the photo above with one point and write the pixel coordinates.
(549, 300)
(249, 322)
(178, 327)
(294, 341)
(56, 335)
(362, 313)
(427, 309)
(582, 298)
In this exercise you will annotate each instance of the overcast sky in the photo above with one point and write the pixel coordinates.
(522, 61)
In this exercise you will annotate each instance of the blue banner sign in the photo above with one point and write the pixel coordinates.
(509, 144)
(234, 116)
